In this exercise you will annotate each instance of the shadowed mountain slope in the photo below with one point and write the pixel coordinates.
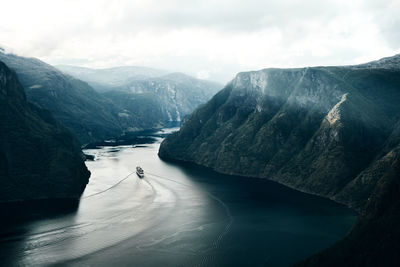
(39, 158)
(89, 115)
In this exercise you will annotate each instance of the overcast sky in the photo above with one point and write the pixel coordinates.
(211, 39)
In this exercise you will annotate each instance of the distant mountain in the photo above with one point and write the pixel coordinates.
(330, 131)
(153, 97)
(39, 158)
(174, 95)
(89, 115)
(105, 79)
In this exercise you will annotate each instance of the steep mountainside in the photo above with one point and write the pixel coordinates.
(175, 95)
(374, 239)
(152, 96)
(331, 131)
(39, 158)
(105, 79)
(89, 115)
(147, 108)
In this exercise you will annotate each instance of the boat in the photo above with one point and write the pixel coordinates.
(139, 172)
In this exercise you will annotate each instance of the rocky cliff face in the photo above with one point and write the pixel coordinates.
(331, 131)
(39, 158)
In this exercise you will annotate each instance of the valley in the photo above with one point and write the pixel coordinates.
(257, 173)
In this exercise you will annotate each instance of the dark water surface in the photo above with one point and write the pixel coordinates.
(178, 215)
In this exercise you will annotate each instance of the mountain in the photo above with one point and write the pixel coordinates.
(105, 79)
(129, 105)
(330, 131)
(39, 158)
(383, 63)
(89, 115)
(165, 99)
(154, 97)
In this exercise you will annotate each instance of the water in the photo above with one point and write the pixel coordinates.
(177, 215)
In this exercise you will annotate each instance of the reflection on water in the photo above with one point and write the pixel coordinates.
(178, 214)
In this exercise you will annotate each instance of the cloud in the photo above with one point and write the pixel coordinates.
(385, 15)
(208, 38)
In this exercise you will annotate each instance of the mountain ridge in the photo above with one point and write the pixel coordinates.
(162, 97)
(74, 103)
(94, 116)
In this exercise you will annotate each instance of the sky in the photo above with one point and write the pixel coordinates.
(210, 39)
